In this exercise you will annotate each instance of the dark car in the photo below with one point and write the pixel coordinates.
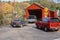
(18, 23)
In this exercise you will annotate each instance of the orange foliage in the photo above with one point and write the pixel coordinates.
(6, 7)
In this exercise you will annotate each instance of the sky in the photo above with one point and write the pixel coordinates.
(57, 1)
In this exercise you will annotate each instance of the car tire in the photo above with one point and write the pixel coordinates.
(37, 26)
(56, 29)
(45, 29)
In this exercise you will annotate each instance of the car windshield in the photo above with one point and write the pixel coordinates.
(45, 19)
(32, 17)
(54, 20)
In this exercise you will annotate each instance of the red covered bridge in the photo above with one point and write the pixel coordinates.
(39, 11)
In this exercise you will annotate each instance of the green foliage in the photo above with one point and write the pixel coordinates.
(58, 6)
(1, 17)
(52, 7)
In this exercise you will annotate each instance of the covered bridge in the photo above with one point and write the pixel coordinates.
(38, 11)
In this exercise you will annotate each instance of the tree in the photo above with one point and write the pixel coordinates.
(58, 6)
(1, 17)
(6, 7)
(52, 7)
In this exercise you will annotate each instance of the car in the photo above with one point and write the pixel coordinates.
(31, 18)
(48, 24)
(18, 23)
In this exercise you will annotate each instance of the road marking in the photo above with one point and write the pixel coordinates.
(57, 39)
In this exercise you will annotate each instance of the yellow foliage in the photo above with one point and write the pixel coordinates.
(46, 9)
(26, 4)
(6, 7)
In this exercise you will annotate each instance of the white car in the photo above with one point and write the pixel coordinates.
(32, 18)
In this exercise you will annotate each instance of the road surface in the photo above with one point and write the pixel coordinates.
(27, 33)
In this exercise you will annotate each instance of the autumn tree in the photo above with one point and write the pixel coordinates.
(6, 7)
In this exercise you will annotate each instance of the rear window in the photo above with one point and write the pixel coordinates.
(45, 19)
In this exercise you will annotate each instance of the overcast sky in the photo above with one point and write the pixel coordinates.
(57, 1)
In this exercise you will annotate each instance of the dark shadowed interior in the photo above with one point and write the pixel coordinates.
(36, 12)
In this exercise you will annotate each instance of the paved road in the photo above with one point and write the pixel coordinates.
(27, 33)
